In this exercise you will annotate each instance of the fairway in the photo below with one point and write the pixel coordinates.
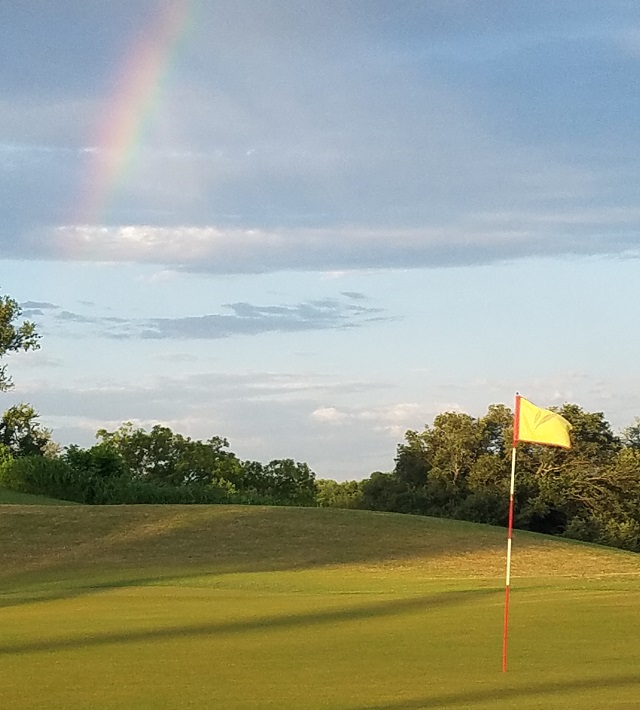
(252, 607)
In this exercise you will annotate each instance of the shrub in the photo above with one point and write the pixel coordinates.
(40, 475)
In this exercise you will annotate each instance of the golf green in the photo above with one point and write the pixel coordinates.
(242, 607)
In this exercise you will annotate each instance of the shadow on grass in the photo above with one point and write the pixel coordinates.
(225, 628)
(45, 548)
(496, 694)
(228, 538)
(78, 589)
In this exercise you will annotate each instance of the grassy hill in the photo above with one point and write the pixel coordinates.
(225, 539)
(8, 497)
(251, 607)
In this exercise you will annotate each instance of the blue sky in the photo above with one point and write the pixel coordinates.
(339, 218)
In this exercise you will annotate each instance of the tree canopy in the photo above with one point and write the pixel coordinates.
(14, 336)
(460, 467)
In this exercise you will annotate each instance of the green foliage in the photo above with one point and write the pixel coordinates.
(631, 435)
(13, 337)
(453, 444)
(21, 433)
(386, 492)
(163, 456)
(40, 475)
(282, 481)
(77, 477)
(132, 465)
(100, 462)
(333, 494)
(5, 455)
(460, 468)
(591, 436)
(412, 462)
(130, 491)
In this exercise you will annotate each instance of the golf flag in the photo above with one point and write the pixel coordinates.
(535, 426)
(539, 426)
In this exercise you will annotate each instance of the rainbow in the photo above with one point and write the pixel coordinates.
(129, 110)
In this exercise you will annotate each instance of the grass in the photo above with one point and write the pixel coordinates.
(251, 607)
(8, 497)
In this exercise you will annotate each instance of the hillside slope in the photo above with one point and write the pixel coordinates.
(228, 539)
(8, 497)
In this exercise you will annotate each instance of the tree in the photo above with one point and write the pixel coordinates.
(386, 492)
(13, 337)
(99, 462)
(454, 444)
(21, 433)
(497, 430)
(343, 494)
(293, 483)
(412, 460)
(281, 481)
(591, 434)
(631, 435)
(459, 468)
(163, 456)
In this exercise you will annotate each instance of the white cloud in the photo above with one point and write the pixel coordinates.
(393, 419)
(328, 414)
(484, 238)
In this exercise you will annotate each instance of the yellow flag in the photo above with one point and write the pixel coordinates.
(539, 426)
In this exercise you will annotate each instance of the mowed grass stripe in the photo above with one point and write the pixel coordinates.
(446, 653)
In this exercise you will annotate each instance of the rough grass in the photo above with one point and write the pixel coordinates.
(8, 497)
(252, 607)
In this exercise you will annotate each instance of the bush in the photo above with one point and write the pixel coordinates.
(44, 476)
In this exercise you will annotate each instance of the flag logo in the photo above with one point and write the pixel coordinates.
(534, 425)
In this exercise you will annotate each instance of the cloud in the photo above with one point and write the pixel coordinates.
(31, 309)
(485, 238)
(242, 318)
(248, 319)
(393, 419)
(391, 139)
(36, 361)
(40, 305)
(328, 414)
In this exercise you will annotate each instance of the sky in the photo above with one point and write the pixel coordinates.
(309, 227)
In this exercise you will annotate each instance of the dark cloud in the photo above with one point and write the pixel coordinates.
(40, 305)
(331, 132)
(34, 309)
(249, 319)
(74, 317)
(241, 318)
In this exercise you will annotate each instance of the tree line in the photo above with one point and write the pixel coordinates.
(457, 468)
(460, 468)
(132, 465)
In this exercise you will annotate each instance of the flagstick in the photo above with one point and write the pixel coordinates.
(509, 539)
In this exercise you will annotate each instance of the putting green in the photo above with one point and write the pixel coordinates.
(226, 607)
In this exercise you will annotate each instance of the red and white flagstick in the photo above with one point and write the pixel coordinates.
(516, 422)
